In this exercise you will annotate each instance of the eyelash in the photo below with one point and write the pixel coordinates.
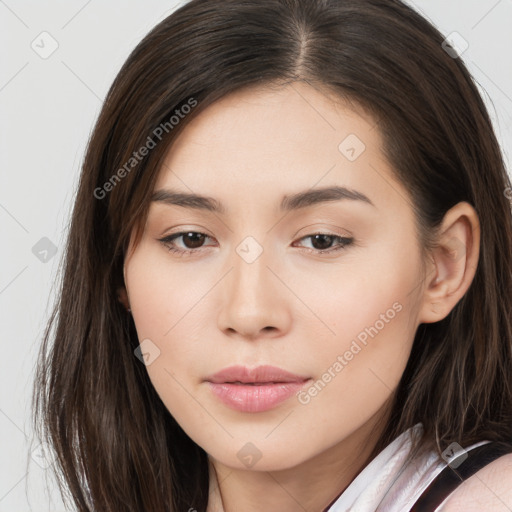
(166, 241)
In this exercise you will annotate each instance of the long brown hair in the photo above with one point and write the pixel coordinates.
(117, 447)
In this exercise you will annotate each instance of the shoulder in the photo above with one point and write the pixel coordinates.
(488, 489)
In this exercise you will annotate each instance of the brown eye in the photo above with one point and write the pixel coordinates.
(191, 240)
(323, 242)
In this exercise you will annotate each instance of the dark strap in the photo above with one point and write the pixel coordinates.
(451, 477)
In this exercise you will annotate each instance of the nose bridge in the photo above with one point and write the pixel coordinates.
(250, 276)
(252, 299)
(252, 253)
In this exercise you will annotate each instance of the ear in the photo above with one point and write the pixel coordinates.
(122, 296)
(453, 263)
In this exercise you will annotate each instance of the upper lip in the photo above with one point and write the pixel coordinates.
(265, 373)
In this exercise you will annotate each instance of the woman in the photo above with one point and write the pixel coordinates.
(288, 280)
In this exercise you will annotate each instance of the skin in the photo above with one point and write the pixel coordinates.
(488, 489)
(292, 307)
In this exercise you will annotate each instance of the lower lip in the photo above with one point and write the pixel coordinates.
(255, 398)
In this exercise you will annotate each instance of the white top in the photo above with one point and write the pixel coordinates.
(388, 483)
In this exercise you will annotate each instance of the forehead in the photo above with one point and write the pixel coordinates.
(270, 140)
(273, 122)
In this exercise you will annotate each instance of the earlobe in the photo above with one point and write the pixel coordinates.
(122, 296)
(453, 263)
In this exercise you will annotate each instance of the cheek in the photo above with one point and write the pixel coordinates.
(162, 295)
(374, 335)
(357, 369)
(163, 299)
(367, 324)
(172, 307)
(368, 291)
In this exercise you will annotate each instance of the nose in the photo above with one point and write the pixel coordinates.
(255, 301)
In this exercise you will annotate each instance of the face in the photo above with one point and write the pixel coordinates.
(324, 286)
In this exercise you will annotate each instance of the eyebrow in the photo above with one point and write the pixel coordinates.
(295, 201)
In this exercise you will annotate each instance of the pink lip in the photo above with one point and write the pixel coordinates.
(256, 390)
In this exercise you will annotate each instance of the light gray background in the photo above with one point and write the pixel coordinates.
(48, 107)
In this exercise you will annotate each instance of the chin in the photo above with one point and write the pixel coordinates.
(254, 456)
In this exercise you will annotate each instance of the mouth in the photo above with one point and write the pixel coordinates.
(265, 374)
(257, 390)
(255, 383)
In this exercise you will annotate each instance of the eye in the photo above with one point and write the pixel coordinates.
(322, 242)
(194, 240)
